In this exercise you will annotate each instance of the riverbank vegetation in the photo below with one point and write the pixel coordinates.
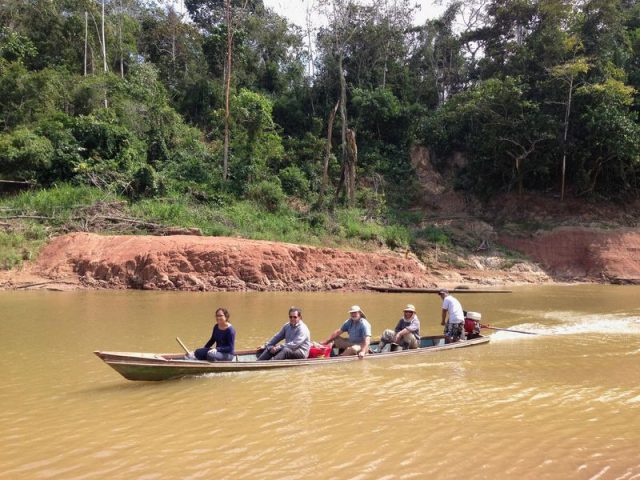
(38, 215)
(226, 118)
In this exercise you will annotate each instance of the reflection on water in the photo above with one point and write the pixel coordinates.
(561, 404)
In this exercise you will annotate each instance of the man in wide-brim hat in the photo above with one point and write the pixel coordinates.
(359, 334)
(408, 328)
(407, 331)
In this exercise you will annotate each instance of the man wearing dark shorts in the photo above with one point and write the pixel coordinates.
(454, 326)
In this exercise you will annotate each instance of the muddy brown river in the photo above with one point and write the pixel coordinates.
(561, 404)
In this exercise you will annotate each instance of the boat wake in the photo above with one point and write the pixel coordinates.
(566, 323)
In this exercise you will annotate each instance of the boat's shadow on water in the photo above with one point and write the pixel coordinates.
(122, 385)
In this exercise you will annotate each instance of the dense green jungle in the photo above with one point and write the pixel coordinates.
(220, 117)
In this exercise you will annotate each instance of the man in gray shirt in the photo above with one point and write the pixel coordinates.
(296, 337)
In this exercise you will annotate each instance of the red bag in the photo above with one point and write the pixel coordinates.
(318, 351)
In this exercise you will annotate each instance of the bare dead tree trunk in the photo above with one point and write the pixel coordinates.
(352, 159)
(339, 13)
(567, 113)
(520, 175)
(327, 152)
(104, 45)
(309, 21)
(92, 55)
(174, 34)
(595, 172)
(104, 56)
(340, 183)
(525, 152)
(386, 51)
(120, 28)
(121, 58)
(227, 88)
(346, 169)
(86, 40)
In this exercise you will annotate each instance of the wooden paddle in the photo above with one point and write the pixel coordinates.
(508, 330)
(186, 350)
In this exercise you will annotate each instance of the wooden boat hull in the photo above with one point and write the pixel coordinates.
(154, 367)
(378, 288)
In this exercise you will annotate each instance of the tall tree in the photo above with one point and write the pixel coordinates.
(436, 58)
(210, 14)
(343, 17)
(568, 73)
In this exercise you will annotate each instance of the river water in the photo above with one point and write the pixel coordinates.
(562, 404)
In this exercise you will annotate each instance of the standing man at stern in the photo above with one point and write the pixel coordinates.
(359, 334)
(453, 328)
(296, 336)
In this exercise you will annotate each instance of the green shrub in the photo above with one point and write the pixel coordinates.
(396, 236)
(434, 235)
(267, 194)
(24, 155)
(167, 211)
(356, 227)
(10, 255)
(15, 247)
(60, 199)
(372, 202)
(145, 182)
(294, 182)
(318, 221)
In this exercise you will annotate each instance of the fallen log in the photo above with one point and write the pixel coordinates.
(39, 284)
(378, 288)
(31, 217)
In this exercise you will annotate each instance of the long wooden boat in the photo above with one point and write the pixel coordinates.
(380, 288)
(165, 366)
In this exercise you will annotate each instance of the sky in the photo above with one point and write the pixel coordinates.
(295, 10)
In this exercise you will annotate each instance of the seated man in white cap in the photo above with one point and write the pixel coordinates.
(407, 331)
(359, 334)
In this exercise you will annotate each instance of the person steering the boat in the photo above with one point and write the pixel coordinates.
(359, 334)
(296, 336)
(454, 326)
(224, 338)
(407, 331)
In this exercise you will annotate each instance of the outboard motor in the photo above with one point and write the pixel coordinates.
(472, 324)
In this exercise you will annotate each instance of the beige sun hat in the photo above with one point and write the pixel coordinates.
(355, 308)
(409, 308)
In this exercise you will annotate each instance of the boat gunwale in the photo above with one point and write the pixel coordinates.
(118, 360)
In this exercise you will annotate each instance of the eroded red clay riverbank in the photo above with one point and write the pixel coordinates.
(84, 260)
(183, 262)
